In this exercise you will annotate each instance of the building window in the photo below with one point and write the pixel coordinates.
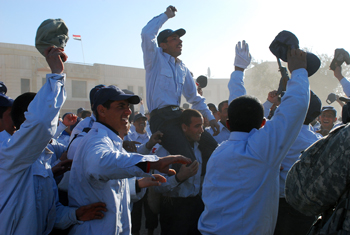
(25, 85)
(131, 88)
(140, 91)
(79, 89)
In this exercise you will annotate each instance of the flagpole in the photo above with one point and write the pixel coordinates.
(81, 41)
(78, 37)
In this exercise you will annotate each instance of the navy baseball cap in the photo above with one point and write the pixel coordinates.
(93, 92)
(3, 88)
(113, 93)
(139, 115)
(314, 108)
(331, 108)
(167, 33)
(5, 101)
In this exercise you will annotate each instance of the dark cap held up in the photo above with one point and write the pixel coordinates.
(51, 32)
(285, 40)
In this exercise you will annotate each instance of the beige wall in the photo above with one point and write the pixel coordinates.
(23, 61)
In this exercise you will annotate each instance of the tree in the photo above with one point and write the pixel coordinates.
(263, 77)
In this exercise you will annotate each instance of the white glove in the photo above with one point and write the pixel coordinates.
(243, 56)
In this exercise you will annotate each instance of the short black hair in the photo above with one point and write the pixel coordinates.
(20, 105)
(3, 110)
(106, 104)
(85, 113)
(187, 115)
(245, 113)
(222, 104)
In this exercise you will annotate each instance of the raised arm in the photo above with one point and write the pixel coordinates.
(276, 137)
(149, 36)
(242, 60)
(24, 147)
(343, 81)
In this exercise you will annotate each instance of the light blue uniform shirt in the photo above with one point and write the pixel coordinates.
(167, 79)
(241, 186)
(135, 136)
(305, 138)
(29, 199)
(190, 187)
(86, 123)
(4, 135)
(346, 86)
(99, 174)
(222, 136)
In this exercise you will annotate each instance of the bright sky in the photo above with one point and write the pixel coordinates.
(110, 29)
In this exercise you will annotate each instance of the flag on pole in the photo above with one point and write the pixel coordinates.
(77, 37)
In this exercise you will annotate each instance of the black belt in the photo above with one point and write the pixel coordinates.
(167, 109)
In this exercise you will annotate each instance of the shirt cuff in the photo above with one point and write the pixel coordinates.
(73, 216)
(172, 181)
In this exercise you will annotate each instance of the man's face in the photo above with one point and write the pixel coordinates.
(223, 113)
(6, 121)
(140, 125)
(327, 119)
(117, 116)
(194, 131)
(173, 46)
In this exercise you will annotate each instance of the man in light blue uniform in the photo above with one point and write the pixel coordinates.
(182, 204)
(29, 199)
(101, 166)
(240, 189)
(167, 78)
(290, 221)
(224, 132)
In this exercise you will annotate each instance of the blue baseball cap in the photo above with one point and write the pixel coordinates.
(113, 93)
(139, 115)
(331, 108)
(5, 101)
(3, 88)
(167, 33)
(93, 92)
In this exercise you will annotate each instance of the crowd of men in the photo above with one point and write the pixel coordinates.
(95, 172)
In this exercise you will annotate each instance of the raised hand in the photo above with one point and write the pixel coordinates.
(243, 57)
(170, 11)
(162, 165)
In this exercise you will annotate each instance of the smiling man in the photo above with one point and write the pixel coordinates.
(182, 203)
(327, 119)
(167, 79)
(101, 166)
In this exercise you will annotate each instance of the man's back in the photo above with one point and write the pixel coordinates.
(240, 189)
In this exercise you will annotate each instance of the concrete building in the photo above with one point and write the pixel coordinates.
(23, 69)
